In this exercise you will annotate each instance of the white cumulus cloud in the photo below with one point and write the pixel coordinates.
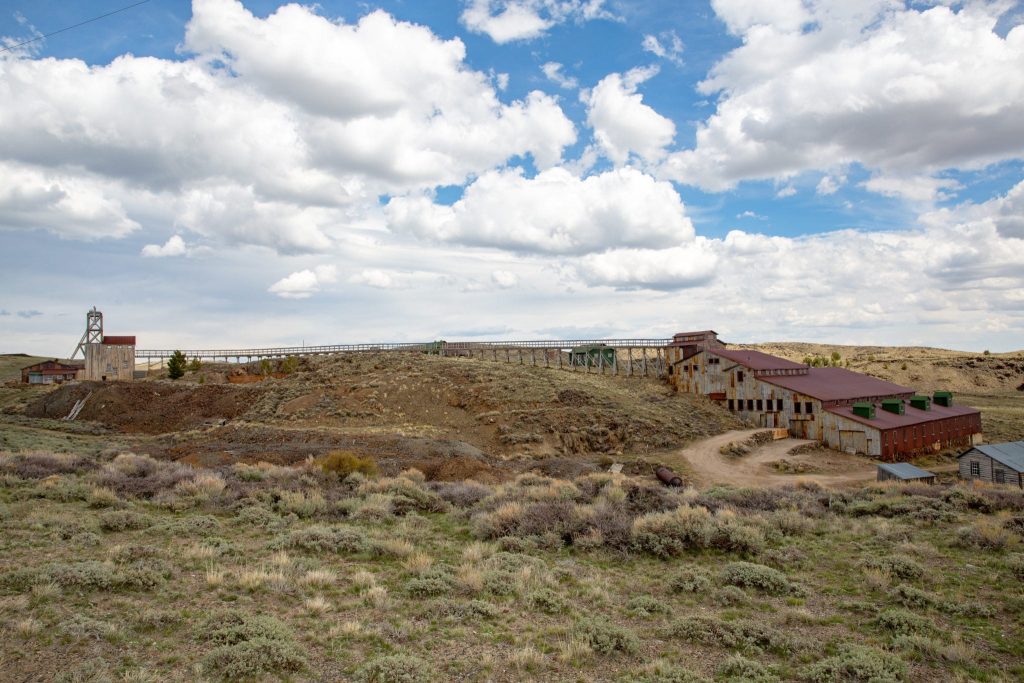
(622, 123)
(174, 246)
(555, 212)
(511, 20)
(303, 284)
(902, 90)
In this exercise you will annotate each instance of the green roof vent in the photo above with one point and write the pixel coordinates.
(943, 398)
(865, 410)
(894, 405)
(921, 402)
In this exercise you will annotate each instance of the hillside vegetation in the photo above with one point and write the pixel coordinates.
(127, 568)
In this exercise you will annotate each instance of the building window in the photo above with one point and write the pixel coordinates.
(975, 469)
(760, 404)
(1000, 476)
(739, 376)
(670, 369)
(796, 407)
(732, 406)
(808, 407)
(778, 404)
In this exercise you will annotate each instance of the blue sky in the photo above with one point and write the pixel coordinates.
(221, 173)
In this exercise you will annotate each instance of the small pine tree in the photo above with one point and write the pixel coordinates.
(836, 356)
(176, 365)
(265, 367)
(195, 365)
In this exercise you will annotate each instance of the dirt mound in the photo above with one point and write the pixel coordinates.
(145, 407)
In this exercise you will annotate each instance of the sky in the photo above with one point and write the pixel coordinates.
(218, 173)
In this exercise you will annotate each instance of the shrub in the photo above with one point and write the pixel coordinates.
(85, 575)
(985, 534)
(899, 567)
(605, 637)
(395, 669)
(901, 622)
(739, 669)
(1016, 566)
(124, 520)
(344, 463)
(730, 596)
(256, 516)
(690, 580)
(664, 672)
(858, 663)
(337, 539)
(545, 600)
(42, 465)
(712, 631)
(913, 597)
(646, 605)
(431, 583)
(461, 494)
(251, 658)
(669, 534)
(102, 497)
(756, 576)
(192, 525)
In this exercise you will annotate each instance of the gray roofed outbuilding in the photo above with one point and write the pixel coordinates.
(1010, 454)
(903, 471)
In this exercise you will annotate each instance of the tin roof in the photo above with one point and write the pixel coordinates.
(837, 384)
(119, 341)
(694, 334)
(1010, 454)
(884, 420)
(904, 470)
(757, 360)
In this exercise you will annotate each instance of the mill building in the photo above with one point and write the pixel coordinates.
(845, 410)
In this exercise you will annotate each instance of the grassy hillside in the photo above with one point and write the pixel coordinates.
(128, 568)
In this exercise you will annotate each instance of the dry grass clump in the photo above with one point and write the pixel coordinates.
(396, 548)
(363, 580)
(319, 578)
(142, 476)
(376, 507)
(28, 627)
(102, 497)
(202, 487)
(984, 534)
(377, 597)
(317, 605)
(303, 504)
(526, 658)
(255, 578)
(469, 578)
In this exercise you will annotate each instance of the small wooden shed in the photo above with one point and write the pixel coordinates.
(996, 463)
(904, 471)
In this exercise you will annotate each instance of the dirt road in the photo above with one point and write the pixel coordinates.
(708, 466)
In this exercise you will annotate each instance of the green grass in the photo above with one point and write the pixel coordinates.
(212, 579)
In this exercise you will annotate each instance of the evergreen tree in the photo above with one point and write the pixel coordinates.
(176, 365)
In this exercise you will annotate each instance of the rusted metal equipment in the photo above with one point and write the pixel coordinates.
(668, 477)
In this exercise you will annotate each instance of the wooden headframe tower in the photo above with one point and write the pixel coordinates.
(93, 331)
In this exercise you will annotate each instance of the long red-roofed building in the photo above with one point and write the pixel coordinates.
(846, 410)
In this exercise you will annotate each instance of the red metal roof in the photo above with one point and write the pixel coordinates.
(912, 416)
(837, 384)
(757, 360)
(119, 341)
